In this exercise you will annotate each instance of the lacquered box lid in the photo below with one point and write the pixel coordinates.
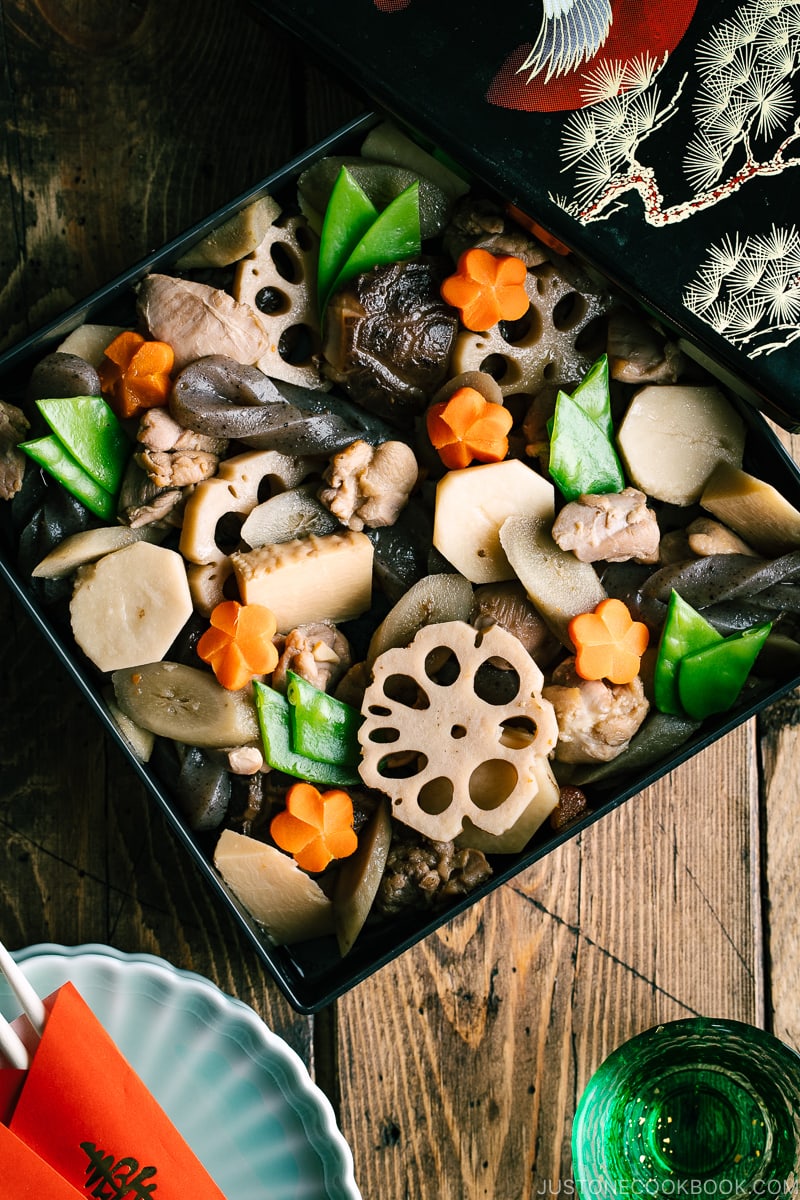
(660, 141)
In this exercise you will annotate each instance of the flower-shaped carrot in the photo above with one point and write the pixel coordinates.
(487, 288)
(315, 827)
(238, 645)
(609, 644)
(135, 374)
(467, 427)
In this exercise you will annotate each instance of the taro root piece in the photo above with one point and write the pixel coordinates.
(543, 346)
(369, 485)
(671, 439)
(130, 605)
(472, 505)
(197, 320)
(237, 236)
(278, 281)
(445, 755)
(14, 426)
(596, 719)
(290, 905)
(308, 579)
(63, 375)
(388, 339)
(615, 527)
(234, 490)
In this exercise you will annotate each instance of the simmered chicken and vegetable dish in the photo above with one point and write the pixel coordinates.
(391, 533)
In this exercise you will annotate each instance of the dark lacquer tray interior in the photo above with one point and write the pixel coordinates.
(312, 974)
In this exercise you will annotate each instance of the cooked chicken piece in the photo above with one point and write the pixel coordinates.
(141, 502)
(197, 320)
(483, 223)
(637, 353)
(318, 652)
(158, 430)
(596, 720)
(507, 605)
(178, 468)
(612, 528)
(13, 427)
(702, 538)
(707, 537)
(369, 485)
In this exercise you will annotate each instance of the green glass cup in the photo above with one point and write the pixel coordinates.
(700, 1107)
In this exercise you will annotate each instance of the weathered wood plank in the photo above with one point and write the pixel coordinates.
(487, 1033)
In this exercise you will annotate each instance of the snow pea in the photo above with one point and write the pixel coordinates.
(323, 728)
(349, 214)
(593, 394)
(50, 454)
(92, 434)
(355, 237)
(582, 458)
(710, 681)
(274, 721)
(685, 632)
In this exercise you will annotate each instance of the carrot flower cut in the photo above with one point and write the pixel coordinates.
(609, 644)
(135, 374)
(487, 288)
(468, 427)
(238, 645)
(315, 827)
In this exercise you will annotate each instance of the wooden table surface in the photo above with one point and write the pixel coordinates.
(454, 1072)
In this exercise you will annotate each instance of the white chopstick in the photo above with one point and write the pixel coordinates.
(31, 1004)
(11, 1044)
(12, 1047)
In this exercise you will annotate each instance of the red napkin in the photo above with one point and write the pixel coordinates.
(83, 1110)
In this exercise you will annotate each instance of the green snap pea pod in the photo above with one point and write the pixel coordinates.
(323, 728)
(348, 216)
(594, 395)
(582, 459)
(710, 681)
(685, 632)
(91, 433)
(276, 734)
(50, 454)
